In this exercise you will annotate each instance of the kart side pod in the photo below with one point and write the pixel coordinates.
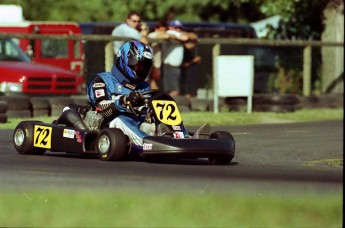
(221, 149)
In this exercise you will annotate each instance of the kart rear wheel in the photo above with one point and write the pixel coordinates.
(23, 137)
(223, 160)
(112, 145)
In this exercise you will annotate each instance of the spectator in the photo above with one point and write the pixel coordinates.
(144, 30)
(190, 66)
(172, 58)
(158, 33)
(127, 29)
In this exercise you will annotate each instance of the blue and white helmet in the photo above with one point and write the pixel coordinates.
(135, 60)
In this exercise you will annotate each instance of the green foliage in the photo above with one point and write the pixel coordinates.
(300, 19)
(303, 18)
(287, 82)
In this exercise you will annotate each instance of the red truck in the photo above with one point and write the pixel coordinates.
(19, 75)
(67, 54)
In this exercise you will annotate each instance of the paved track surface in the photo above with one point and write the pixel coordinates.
(277, 157)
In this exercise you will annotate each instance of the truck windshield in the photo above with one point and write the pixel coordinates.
(9, 51)
(54, 49)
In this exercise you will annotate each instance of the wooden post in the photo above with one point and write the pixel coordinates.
(307, 70)
(109, 56)
(215, 53)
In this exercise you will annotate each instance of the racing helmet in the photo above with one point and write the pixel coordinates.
(135, 60)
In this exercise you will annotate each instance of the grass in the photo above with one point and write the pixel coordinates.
(241, 118)
(233, 118)
(132, 209)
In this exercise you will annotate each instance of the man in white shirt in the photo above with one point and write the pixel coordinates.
(172, 58)
(127, 29)
(159, 33)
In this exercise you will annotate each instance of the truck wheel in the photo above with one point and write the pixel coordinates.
(23, 137)
(223, 160)
(112, 145)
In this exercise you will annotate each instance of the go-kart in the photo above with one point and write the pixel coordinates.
(74, 133)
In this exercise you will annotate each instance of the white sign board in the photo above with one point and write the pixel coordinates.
(234, 77)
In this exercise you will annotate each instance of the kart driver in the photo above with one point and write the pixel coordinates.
(110, 92)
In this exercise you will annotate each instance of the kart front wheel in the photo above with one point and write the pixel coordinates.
(23, 138)
(112, 145)
(225, 159)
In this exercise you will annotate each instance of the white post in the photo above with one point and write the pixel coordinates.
(215, 53)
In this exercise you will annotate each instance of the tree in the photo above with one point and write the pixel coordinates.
(303, 19)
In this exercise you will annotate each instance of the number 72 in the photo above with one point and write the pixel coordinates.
(42, 136)
(167, 112)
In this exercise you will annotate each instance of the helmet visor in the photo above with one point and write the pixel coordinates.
(142, 68)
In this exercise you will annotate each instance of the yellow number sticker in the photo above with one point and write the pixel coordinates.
(167, 112)
(42, 136)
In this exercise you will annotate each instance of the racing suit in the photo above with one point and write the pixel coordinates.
(105, 91)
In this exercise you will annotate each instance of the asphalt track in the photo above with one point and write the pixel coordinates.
(275, 157)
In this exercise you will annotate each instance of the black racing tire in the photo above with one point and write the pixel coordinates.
(39, 103)
(235, 100)
(274, 108)
(223, 160)
(236, 103)
(56, 111)
(80, 101)
(19, 113)
(3, 106)
(40, 112)
(57, 104)
(3, 118)
(60, 101)
(183, 108)
(199, 104)
(221, 105)
(112, 145)
(182, 101)
(16, 102)
(23, 137)
(275, 99)
(331, 100)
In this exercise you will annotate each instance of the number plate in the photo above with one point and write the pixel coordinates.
(167, 112)
(42, 136)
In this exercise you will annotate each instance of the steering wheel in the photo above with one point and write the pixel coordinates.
(134, 110)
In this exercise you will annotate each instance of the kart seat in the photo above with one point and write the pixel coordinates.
(72, 118)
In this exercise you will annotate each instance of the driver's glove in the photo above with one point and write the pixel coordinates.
(135, 98)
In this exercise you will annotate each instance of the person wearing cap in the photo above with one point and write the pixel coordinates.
(144, 30)
(127, 29)
(173, 57)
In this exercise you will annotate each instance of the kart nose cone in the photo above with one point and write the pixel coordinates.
(19, 137)
(104, 144)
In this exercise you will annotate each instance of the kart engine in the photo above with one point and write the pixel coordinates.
(93, 119)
